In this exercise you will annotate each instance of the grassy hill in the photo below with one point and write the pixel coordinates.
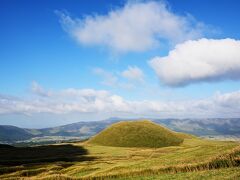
(136, 134)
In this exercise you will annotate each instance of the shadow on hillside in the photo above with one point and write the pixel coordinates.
(12, 156)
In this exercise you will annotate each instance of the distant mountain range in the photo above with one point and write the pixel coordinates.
(12, 133)
(83, 130)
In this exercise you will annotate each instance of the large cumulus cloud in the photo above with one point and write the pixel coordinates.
(203, 60)
(138, 26)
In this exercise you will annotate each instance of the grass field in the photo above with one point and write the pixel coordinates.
(193, 159)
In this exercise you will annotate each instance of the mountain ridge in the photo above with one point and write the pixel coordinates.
(83, 130)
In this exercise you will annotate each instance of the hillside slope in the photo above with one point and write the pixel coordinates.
(136, 134)
(12, 133)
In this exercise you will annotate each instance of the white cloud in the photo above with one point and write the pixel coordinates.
(102, 103)
(108, 78)
(138, 26)
(36, 88)
(133, 73)
(112, 79)
(203, 60)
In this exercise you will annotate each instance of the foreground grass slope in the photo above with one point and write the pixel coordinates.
(10, 155)
(227, 173)
(137, 134)
(194, 157)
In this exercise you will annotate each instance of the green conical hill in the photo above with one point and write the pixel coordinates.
(137, 134)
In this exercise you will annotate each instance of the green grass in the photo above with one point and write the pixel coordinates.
(194, 158)
(137, 134)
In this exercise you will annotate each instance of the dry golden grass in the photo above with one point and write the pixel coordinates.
(194, 157)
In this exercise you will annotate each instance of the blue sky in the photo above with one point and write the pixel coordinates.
(54, 51)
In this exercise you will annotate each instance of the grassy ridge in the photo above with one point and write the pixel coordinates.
(137, 134)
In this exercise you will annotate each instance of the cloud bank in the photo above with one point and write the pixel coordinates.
(203, 60)
(138, 26)
(100, 102)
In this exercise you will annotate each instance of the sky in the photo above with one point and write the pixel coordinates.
(64, 61)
